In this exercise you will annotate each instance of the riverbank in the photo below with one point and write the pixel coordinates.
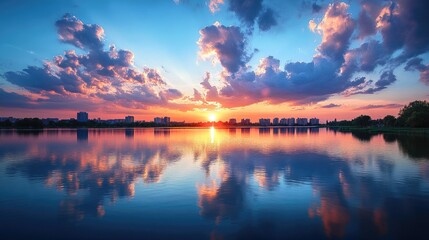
(381, 129)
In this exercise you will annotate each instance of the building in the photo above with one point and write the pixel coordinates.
(264, 121)
(291, 122)
(129, 119)
(283, 121)
(232, 121)
(166, 120)
(276, 121)
(82, 117)
(245, 121)
(162, 120)
(302, 121)
(314, 121)
(158, 120)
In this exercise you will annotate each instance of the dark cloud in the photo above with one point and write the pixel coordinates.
(315, 8)
(331, 105)
(416, 64)
(13, 100)
(251, 11)
(267, 20)
(226, 44)
(366, 22)
(391, 105)
(369, 87)
(72, 30)
(95, 77)
(403, 25)
(246, 10)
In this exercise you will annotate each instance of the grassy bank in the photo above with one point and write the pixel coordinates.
(381, 129)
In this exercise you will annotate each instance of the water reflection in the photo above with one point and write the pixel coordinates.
(239, 180)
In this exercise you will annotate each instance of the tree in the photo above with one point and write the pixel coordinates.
(362, 121)
(415, 114)
(389, 121)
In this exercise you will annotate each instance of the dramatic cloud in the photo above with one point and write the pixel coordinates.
(97, 77)
(250, 11)
(336, 27)
(224, 44)
(72, 30)
(331, 105)
(299, 82)
(335, 69)
(392, 105)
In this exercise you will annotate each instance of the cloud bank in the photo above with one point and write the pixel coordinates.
(336, 68)
(99, 77)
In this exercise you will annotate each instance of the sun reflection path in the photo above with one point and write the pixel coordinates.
(212, 134)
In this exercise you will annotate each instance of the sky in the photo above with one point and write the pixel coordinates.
(228, 58)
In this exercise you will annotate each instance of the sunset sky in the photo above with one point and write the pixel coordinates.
(229, 58)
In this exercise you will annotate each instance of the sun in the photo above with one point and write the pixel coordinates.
(212, 117)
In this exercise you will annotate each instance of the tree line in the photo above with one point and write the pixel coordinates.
(414, 115)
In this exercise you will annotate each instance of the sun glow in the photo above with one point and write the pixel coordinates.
(212, 117)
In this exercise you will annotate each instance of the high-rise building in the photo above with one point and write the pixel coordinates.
(283, 121)
(276, 121)
(264, 121)
(302, 121)
(314, 121)
(158, 120)
(162, 120)
(129, 119)
(82, 117)
(290, 121)
(245, 121)
(166, 120)
(232, 121)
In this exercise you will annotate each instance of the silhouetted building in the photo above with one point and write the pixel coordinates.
(276, 121)
(314, 121)
(166, 120)
(160, 120)
(82, 117)
(245, 121)
(264, 121)
(302, 121)
(232, 121)
(129, 119)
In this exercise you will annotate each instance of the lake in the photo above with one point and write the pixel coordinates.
(207, 183)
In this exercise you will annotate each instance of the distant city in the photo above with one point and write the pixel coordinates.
(83, 119)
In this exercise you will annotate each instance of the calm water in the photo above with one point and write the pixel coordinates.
(250, 183)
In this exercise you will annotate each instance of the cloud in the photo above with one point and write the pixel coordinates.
(72, 30)
(416, 64)
(96, 77)
(214, 5)
(13, 100)
(331, 105)
(251, 11)
(226, 45)
(336, 27)
(391, 105)
(267, 20)
(299, 82)
(312, 25)
(316, 7)
(370, 10)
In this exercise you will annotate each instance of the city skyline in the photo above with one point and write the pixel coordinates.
(213, 59)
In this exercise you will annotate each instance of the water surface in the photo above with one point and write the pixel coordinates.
(244, 183)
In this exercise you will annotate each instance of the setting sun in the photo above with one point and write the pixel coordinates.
(212, 117)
